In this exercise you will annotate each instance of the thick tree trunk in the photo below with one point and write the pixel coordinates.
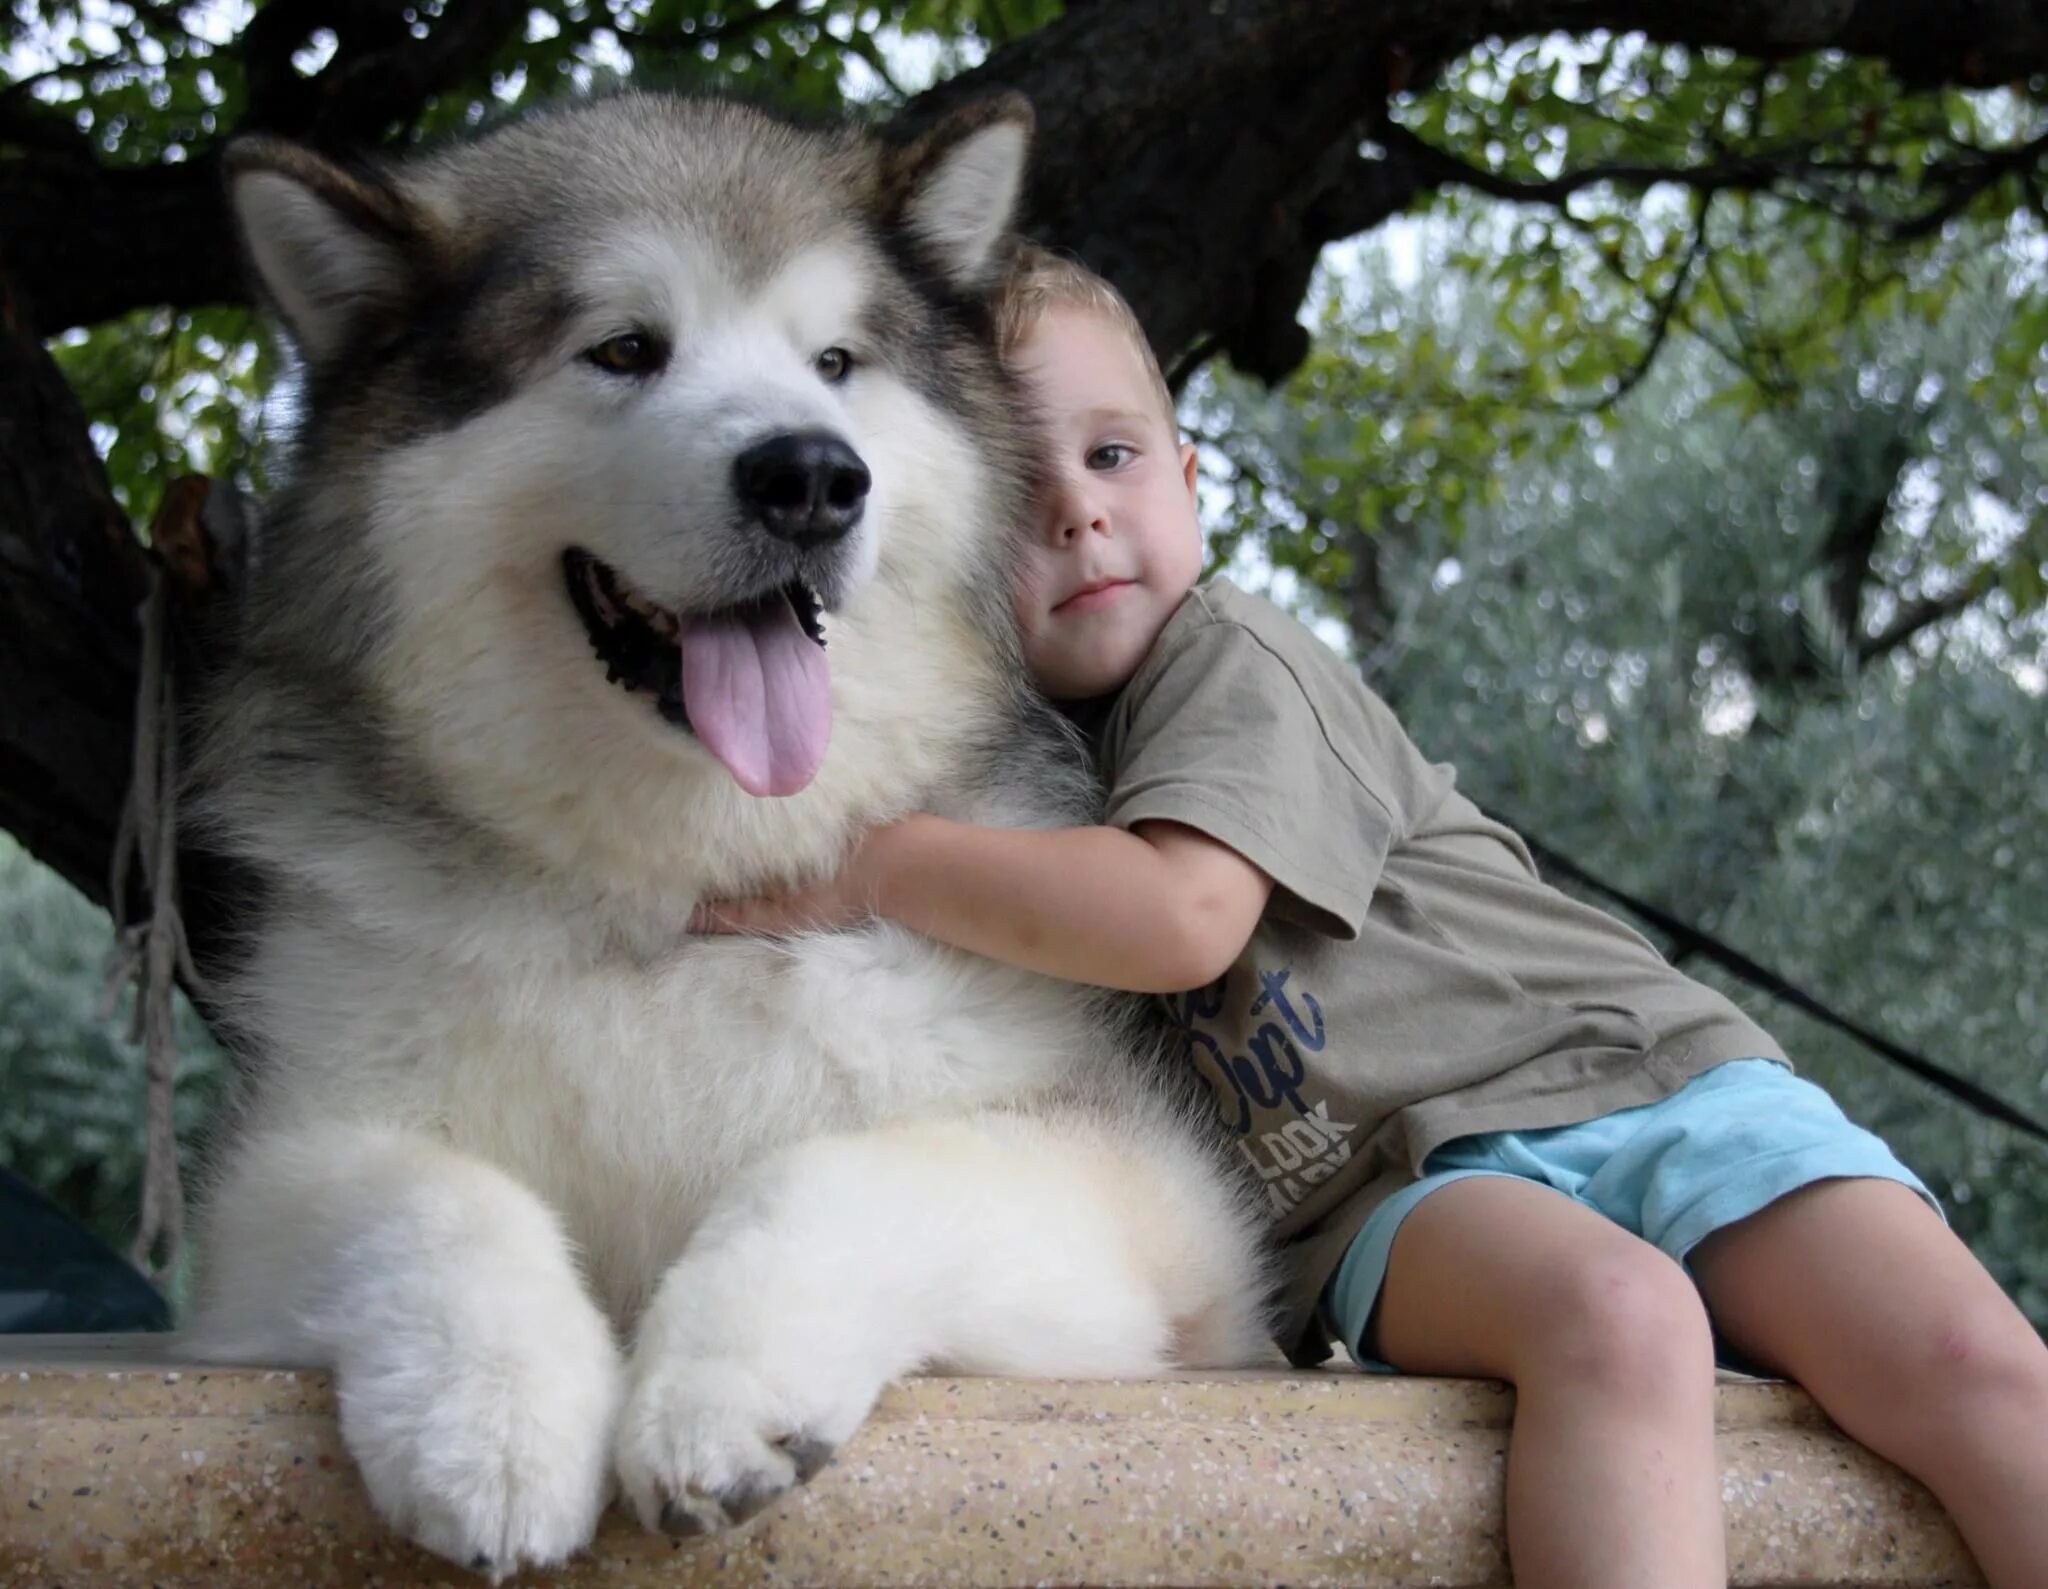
(71, 578)
(1200, 152)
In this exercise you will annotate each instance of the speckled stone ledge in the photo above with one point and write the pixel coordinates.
(118, 1467)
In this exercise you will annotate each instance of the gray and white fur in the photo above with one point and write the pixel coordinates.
(559, 1191)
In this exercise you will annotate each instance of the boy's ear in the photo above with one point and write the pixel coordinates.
(1190, 466)
(955, 186)
(332, 250)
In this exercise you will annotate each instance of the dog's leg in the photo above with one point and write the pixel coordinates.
(477, 1381)
(999, 1244)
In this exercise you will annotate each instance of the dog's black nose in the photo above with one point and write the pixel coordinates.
(807, 487)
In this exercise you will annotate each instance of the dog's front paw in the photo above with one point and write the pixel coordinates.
(705, 1445)
(493, 1451)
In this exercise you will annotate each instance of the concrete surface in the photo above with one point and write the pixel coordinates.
(119, 1466)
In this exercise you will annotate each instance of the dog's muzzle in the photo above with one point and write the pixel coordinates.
(747, 676)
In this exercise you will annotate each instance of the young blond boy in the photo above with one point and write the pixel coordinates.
(1501, 1137)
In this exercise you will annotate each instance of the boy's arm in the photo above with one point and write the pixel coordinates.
(1160, 909)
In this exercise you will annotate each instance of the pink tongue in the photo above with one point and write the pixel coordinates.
(759, 695)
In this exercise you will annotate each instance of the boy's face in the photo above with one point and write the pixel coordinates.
(1114, 544)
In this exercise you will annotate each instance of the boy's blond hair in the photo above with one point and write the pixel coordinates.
(1038, 280)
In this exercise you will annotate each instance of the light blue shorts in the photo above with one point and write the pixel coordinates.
(1730, 1142)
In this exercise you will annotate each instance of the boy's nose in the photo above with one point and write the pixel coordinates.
(1077, 514)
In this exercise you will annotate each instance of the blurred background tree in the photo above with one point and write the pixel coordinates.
(1649, 401)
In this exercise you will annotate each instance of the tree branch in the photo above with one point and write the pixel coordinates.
(1914, 616)
(1796, 175)
(381, 77)
(1440, 167)
(1966, 180)
(729, 29)
(96, 242)
(1665, 314)
(281, 100)
(27, 123)
(1142, 104)
(1851, 542)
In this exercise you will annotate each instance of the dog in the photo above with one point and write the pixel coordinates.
(641, 541)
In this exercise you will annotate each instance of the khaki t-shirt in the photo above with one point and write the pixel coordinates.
(1412, 980)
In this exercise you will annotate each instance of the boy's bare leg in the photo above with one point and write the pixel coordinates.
(1858, 1291)
(1612, 1480)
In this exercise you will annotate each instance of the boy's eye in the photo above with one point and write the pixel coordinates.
(1110, 455)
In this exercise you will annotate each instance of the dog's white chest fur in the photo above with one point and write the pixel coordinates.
(629, 1095)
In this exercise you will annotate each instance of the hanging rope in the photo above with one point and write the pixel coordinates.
(149, 955)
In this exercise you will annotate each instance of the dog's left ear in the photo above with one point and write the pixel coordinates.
(955, 186)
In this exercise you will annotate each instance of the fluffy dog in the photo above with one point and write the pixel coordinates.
(642, 541)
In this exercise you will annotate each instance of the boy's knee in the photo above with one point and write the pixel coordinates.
(1626, 1323)
(1984, 1355)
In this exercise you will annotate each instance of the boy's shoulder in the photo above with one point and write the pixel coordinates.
(1218, 611)
(1220, 602)
(1231, 656)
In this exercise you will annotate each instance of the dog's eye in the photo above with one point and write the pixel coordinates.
(631, 353)
(834, 364)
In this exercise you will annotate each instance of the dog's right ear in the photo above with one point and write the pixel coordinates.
(333, 250)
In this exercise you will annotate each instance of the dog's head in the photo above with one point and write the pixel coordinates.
(627, 426)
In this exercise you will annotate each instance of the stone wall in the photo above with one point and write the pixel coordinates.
(119, 1467)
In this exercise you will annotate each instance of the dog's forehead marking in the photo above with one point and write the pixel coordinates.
(741, 186)
(644, 272)
(679, 278)
(820, 293)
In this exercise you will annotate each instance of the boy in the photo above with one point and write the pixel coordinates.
(1501, 1136)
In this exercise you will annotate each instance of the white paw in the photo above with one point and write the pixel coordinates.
(705, 1445)
(491, 1449)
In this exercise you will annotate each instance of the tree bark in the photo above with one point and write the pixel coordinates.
(1199, 152)
(71, 579)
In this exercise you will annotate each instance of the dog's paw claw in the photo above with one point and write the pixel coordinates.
(810, 1456)
(681, 1522)
(700, 1450)
(754, 1494)
(698, 1512)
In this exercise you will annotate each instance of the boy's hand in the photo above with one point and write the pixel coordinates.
(844, 900)
(823, 907)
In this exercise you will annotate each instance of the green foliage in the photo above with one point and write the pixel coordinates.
(1450, 359)
(141, 85)
(147, 84)
(1766, 205)
(171, 393)
(73, 1092)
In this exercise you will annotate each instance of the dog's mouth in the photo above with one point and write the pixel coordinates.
(750, 680)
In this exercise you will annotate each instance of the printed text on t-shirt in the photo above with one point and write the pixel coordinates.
(1284, 1027)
